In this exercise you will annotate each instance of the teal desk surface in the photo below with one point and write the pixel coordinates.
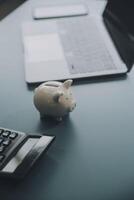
(93, 154)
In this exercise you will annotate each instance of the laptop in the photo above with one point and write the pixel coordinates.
(70, 48)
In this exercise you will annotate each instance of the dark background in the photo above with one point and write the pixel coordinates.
(124, 11)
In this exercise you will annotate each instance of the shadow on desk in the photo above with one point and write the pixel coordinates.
(91, 80)
(39, 177)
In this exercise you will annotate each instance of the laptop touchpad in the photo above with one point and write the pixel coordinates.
(44, 47)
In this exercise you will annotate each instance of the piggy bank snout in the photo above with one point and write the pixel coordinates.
(72, 107)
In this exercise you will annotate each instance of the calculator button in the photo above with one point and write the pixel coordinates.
(13, 135)
(1, 157)
(2, 148)
(1, 140)
(6, 142)
(5, 133)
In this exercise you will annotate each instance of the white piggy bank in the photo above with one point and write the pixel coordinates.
(54, 99)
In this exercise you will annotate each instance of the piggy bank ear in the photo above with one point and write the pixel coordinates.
(67, 84)
(57, 96)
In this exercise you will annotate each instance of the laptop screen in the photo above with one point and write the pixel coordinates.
(7, 6)
(123, 12)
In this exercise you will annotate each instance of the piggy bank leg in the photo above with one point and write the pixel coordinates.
(42, 115)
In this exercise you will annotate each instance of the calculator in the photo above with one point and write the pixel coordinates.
(19, 151)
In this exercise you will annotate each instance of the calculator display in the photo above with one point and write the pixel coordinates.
(21, 154)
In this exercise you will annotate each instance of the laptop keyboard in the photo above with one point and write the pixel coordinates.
(84, 46)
